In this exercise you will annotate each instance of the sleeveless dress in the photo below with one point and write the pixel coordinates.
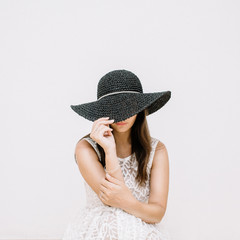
(96, 221)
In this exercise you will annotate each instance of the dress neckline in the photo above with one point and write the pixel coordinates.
(125, 157)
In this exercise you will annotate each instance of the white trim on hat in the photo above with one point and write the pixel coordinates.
(117, 93)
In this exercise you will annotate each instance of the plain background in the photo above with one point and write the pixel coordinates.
(52, 55)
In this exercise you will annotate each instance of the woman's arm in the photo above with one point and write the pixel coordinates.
(112, 163)
(117, 194)
(154, 210)
(148, 212)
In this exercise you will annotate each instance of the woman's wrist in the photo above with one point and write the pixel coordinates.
(130, 205)
(112, 170)
(110, 150)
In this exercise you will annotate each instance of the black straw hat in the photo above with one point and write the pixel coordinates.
(120, 96)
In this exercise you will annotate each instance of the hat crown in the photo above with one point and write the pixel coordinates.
(117, 81)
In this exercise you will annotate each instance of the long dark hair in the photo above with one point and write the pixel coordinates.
(141, 146)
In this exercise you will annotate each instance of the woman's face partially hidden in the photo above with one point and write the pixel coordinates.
(125, 125)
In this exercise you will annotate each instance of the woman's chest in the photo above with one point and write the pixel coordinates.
(130, 170)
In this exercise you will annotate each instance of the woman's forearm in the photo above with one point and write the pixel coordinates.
(148, 212)
(112, 163)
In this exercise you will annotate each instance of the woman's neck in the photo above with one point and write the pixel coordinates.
(122, 138)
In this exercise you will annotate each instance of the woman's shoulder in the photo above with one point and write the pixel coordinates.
(87, 142)
(157, 143)
(87, 138)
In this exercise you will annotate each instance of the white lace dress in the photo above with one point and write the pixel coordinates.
(96, 221)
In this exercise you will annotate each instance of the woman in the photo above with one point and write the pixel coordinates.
(126, 171)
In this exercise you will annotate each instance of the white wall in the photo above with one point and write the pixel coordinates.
(53, 53)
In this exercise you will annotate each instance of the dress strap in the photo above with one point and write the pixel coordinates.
(154, 143)
(94, 145)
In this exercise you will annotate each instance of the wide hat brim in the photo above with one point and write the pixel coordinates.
(122, 106)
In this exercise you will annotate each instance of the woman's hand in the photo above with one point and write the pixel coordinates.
(115, 193)
(102, 134)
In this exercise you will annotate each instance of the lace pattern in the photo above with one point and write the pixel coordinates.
(98, 221)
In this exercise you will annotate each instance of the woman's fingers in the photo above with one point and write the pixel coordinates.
(102, 128)
(99, 131)
(104, 123)
(101, 119)
(99, 122)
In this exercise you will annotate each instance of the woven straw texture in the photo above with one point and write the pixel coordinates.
(120, 106)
